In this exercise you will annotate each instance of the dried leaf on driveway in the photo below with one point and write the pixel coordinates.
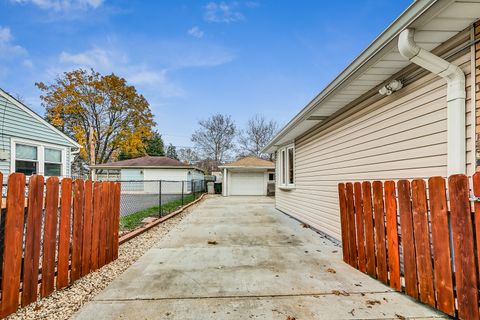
(373, 302)
(212, 242)
(340, 293)
(331, 270)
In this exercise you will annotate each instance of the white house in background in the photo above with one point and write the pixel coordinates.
(142, 175)
(249, 176)
(31, 145)
(388, 115)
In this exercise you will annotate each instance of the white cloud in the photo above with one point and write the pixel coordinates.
(114, 61)
(27, 63)
(62, 5)
(5, 34)
(188, 54)
(222, 12)
(157, 80)
(147, 77)
(9, 50)
(195, 32)
(252, 4)
(96, 58)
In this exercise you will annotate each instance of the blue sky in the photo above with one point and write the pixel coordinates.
(192, 58)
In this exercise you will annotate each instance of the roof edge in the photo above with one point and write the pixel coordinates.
(22, 106)
(242, 167)
(101, 166)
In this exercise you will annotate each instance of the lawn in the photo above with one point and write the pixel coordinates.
(133, 220)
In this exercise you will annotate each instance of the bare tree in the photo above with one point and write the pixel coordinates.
(187, 154)
(256, 135)
(215, 137)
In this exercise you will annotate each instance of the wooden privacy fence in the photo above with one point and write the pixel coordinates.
(79, 234)
(417, 237)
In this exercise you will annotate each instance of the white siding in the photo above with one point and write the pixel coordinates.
(401, 136)
(166, 174)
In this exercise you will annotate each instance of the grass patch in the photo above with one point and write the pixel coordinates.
(133, 220)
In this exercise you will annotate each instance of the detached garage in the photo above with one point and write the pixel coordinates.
(249, 176)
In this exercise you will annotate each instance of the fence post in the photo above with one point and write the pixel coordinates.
(182, 193)
(160, 198)
(191, 189)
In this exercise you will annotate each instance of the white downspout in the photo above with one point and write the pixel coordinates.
(224, 184)
(456, 95)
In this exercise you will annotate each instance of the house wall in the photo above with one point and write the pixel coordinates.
(197, 175)
(476, 65)
(398, 137)
(17, 123)
(166, 174)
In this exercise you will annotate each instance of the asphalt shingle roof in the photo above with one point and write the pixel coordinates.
(147, 161)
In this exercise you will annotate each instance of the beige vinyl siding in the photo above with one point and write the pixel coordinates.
(400, 136)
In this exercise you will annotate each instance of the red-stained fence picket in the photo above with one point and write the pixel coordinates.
(39, 257)
(434, 226)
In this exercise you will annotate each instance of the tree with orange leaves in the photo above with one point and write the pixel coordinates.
(120, 117)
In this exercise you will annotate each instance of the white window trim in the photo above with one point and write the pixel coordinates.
(40, 154)
(284, 164)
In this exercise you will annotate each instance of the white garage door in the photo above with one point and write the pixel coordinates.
(246, 184)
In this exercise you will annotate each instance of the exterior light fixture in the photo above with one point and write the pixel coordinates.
(391, 87)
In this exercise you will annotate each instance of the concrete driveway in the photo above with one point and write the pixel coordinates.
(265, 265)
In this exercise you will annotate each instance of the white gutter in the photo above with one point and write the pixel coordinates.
(456, 145)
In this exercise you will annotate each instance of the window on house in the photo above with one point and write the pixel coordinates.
(287, 165)
(290, 172)
(26, 159)
(53, 162)
(271, 176)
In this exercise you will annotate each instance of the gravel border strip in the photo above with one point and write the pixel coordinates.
(135, 233)
(62, 304)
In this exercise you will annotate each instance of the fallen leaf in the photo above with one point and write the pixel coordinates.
(373, 302)
(37, 307)
(212, 242)
(399, 316)
(291, 318)
(305, 225)
(331, 270)
(352, 312)
(340, 293)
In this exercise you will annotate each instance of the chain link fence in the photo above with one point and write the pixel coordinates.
(155, 198)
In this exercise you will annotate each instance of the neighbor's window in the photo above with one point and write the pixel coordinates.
(271, 176)
(26, 159)
(287, 165)
(53, 162)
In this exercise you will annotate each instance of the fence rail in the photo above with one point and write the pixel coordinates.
(70, 229)
(423, 233)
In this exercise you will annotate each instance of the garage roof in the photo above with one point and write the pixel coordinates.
(435, 21)
(145, 162)
(249, 162)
